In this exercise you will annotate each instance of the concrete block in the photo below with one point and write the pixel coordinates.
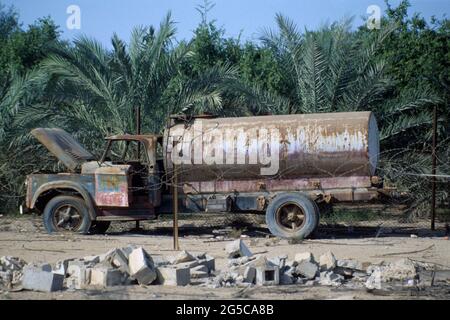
(38, 280)
(106, 277)
(307, 269)
(141, 267)
(41, 266)
(182, 257)
(237, 249)
(169, 276)
(249, 274)
(327, 261)
(268, 275)
(279, 261)
(209, 262)
(61, 267)
(304, 256)
(79, 275)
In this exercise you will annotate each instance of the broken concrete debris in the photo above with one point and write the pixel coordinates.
(141, 267)
(237, 249)
(327, 261)
(103, 276)
(133, 265)
(307, 269)
(304, 256)
(37, 279)
(173, 276)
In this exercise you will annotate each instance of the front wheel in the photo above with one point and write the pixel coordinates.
(66, 213)
(292, 216)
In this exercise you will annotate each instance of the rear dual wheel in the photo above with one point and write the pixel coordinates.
(292, 216)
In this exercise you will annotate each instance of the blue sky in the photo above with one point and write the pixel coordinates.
(100, 18)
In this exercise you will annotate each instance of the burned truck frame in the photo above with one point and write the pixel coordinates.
(220, 166)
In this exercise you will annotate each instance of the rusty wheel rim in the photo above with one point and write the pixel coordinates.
(67, 218)
(290, 216)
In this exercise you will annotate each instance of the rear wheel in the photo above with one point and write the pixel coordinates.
(66, 214)
(292, 216)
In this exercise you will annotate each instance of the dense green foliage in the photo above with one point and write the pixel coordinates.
(400, 72)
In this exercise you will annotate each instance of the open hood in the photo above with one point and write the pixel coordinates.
(63, 146)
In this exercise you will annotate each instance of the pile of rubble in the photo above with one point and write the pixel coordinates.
(133, 265)
(123, 266)
(248, 269)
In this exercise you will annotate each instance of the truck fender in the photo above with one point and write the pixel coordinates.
(66, 185)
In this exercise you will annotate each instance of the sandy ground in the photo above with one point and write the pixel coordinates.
(24, 237)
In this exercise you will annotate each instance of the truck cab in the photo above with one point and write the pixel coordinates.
(124, 184)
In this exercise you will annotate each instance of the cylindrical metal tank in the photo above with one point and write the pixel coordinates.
(283, 146)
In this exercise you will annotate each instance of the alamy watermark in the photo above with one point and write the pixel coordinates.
(213, 146)
(73, 21)
(374, 19)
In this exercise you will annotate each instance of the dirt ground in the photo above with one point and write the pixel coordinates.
(25, 237)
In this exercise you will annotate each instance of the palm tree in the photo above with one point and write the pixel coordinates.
(95, 91)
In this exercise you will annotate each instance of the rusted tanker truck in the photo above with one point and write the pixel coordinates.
(281, 166)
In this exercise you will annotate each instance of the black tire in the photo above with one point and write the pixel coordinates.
(66, 213)
(292, 216)
(99, 227)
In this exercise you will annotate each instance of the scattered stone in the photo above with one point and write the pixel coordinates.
(8, 263)
(304, 256)
(327, 261)
(170, 276)
(104, 276)
(403, 270)
(307, 269)
(38, 280)
(350, 264)
(329, 278)
(237, 249)
(141, 267)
